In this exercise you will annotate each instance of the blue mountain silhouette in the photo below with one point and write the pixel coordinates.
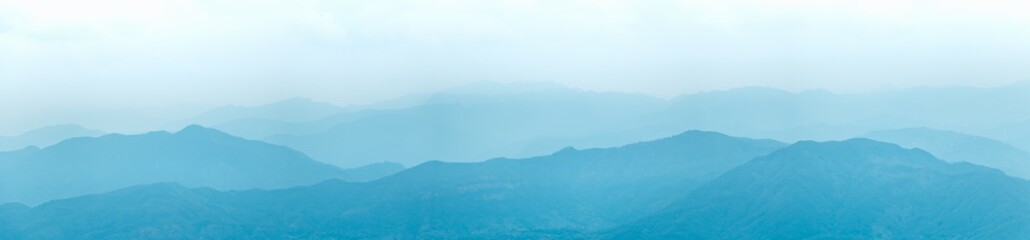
(554, 195)
(958, 147)
(855, 189)
(45, 136)
(194, 156)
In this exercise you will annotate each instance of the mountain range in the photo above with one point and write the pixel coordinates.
(563, 193)
(959, 147)
(1017, 134)
(463, 127)
(463, 124)
(194, 156)
(45, 136)
(855, 189)
(296, 109)
(696, 185)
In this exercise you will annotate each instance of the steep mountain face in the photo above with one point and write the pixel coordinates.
(194, 157)
(45, 136)
(559, 195)
(856, 189)
(957, 147)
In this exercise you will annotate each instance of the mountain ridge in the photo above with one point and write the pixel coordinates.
(194, 156)
(45, 136)
(545, 196)
(858, 188)
(959, 147)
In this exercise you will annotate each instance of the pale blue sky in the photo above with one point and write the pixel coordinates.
(114, 53)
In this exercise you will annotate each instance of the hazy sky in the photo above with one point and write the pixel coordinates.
(143, 53)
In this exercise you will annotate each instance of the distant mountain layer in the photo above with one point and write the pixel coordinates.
(856, 189)
(1017, 134)
(195, 157)
(520, 120)
(456, 127)
(289, 110)
(556, 196)
(45, 136)
(823, 115)
(957, 147)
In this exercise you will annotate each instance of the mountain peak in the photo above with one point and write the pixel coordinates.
(853, 142)
(20, 152)
(861, 145)
(566, 150)
(793, 192)
(60, 129)
(700, 136)
(13, 207)
(846, 154)
(697, 139)
(198, 130)
(192, 128)
(194, 156)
